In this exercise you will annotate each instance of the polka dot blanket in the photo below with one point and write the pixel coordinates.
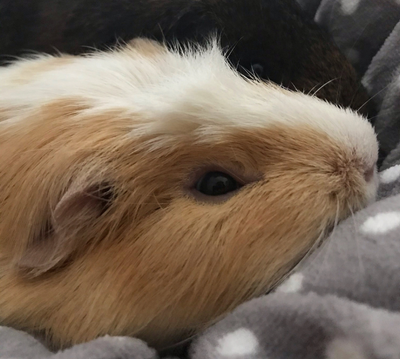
(344, 301)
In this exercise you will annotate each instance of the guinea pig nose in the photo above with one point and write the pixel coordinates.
(369, 173)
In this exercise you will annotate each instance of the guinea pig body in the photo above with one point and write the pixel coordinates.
(147, 191)
(272, 38)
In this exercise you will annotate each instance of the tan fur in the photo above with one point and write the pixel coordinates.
(163, 264)
(158, 263)
(146, 47)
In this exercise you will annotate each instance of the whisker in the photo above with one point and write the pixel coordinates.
(318, 242)
(372, 97)
(309, 92)
(159, 203)
(329, 243)
(325, 84)
(178, 344)
(361, 267)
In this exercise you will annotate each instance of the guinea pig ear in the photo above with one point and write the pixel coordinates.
(78, 208)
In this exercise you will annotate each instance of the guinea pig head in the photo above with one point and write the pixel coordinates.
(146, 191)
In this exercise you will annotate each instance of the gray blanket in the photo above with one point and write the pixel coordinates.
(344, 301)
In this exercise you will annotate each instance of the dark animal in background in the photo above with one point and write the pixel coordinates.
(272, 38)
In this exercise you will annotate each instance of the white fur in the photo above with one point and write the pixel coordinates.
(178, 93)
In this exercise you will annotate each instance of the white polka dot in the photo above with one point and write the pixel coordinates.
(239, 342)
(353, 55)
(293, 284)
(349, 6)
(390, 175)
(381, 223)
(344, 349)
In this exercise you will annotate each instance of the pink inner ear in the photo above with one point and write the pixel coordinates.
(77, 209)
(78, 206)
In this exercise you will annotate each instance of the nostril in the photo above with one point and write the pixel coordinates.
(369, 173)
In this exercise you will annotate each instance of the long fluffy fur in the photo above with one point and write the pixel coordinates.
(100, 232)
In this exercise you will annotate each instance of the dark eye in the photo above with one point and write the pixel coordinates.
(258, 69)
(216, 184)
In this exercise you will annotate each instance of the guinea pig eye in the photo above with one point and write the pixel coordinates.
(258, 69)
(216, 184)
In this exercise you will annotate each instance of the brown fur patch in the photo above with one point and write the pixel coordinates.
(159, 264)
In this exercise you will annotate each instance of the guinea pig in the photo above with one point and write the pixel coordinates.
(146, 191)
(272, 38)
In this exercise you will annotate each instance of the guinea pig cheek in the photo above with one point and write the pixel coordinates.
(249, 242)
